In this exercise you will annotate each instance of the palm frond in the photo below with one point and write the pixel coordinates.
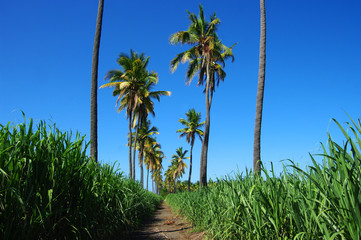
(175, 62)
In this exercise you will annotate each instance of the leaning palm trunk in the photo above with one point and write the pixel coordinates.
(130, 148)
(260, 92)
(203, 170)
(190, 168)
(94, 86)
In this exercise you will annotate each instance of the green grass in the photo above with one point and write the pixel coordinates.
(51, 189)
(322, 202)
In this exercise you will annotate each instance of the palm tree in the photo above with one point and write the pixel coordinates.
(157, 179)
(94, 86)
(129, 86)
(260, 92)
(220, 54)
(169, 180)
(178, 165)
(191, 130)
(144, 135)
(153, 157)
(146, 106)
(205, 51)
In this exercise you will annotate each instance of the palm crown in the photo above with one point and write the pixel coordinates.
(207, 49)
(146, 104)
(178, 165)
(130, 82)
(192, 126)
(146, 132)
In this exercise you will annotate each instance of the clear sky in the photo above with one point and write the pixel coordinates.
(313, 73)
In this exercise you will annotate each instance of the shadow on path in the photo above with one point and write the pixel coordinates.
(163, 224)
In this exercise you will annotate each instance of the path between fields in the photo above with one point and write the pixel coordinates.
(164, 224)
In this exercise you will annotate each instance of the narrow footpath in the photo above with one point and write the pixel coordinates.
(164, 224)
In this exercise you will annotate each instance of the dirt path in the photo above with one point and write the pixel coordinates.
(164, 224)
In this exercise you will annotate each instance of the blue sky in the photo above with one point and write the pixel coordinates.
(313, 73)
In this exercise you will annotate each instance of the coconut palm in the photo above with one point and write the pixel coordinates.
(153, 157)
(178, 165)
(144, 135)
(94, 86)
(192, 129)
(205, 51)
(129, 85)
(260, 92)
(146, 107)
(157, 179)
(169, 180)
(220, 54)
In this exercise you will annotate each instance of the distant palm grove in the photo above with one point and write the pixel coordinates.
(51, 189)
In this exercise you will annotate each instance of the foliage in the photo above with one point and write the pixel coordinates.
(50, 188)
(191, 129)
(206, 56)
(183, 186)
(153, 157)
(192, 126)
(133, 85)
(176, 169)
(322, 202)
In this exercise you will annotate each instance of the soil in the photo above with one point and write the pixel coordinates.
(164, 224)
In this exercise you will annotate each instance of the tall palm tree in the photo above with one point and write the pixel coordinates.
(144, 135)
(128, 85)
(178, 165)
(201, 35)
(192, 129)
(146, 107)
(94, 86)
(157, 179)
(153, 157)
(260, 91)
(169, 180)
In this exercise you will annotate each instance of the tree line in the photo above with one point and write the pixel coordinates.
(133, 85)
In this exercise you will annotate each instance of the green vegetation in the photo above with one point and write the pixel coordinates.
(50, 188)
(133, 85)
(153, 157)
(322, 202)
(176, 170)
(191, 129)
(206, 57)
(149, 151)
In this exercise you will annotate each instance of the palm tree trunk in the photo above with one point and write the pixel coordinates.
(190, 169)
(130, 149)
(203, 170)
(260, 91)
(147, 178)
(135, 145)
(94, 86)
(140, 159)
